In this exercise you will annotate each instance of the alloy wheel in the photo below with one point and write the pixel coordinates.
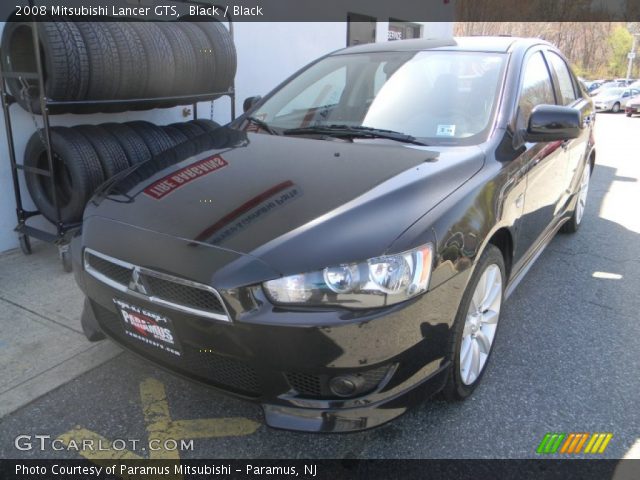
(480, 324)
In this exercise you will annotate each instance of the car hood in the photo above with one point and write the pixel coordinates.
(295, 203)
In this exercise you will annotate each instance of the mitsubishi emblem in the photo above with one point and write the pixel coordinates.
(136, 284)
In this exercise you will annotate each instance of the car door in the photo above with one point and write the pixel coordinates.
(545, 162)
(569, 94)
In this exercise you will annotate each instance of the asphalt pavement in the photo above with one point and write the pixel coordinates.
(566, 360)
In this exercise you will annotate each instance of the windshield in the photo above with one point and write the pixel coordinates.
(439, 97)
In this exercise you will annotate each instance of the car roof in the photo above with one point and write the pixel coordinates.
(499, 44)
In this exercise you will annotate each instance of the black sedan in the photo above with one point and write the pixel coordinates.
(343, 250)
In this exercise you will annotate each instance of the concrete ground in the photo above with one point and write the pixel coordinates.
(566, 359)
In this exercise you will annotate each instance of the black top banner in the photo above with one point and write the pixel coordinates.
(327, 10)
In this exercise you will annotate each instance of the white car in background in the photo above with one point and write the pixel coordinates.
(614, 99)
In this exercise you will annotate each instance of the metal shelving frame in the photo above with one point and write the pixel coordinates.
(62, 232)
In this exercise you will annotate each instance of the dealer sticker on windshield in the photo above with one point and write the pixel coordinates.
(148, 327)
(446, 130)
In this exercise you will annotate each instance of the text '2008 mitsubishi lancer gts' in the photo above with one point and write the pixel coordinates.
(343, 250)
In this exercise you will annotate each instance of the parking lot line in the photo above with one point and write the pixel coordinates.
(161, 427)
(163, 432)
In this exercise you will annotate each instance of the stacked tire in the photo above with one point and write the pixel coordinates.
(85, 156)
(92, 61)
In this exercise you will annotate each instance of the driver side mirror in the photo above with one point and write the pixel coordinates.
(550, 123)
(249, 102)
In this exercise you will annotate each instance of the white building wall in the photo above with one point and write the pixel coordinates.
(267, 54)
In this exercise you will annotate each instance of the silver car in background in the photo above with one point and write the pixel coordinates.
(614, 99)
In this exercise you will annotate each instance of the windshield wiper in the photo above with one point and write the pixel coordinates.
(263, 125)
(354, 131)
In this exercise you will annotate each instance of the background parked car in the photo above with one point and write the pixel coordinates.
(608, 84)
(625, 82)
(633, 106)
(593, 85)
(614, 99)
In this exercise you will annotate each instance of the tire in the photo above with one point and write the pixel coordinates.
(177, 137)
(224, 54)
(25, 244)
(573, 224)
(160, 60)
(205, 62)
(64, 58)
(191, 130)
(628, 114)
(132, 144)
(206, 125)
(133, 62)
(65, 258)
(104, 63)
(456, 388)
(615, 108)
(153, 136)
(111, 155)
(185, 57)
(78, 173)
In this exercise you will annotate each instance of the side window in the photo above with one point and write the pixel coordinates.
(567, 93)
(536, 88)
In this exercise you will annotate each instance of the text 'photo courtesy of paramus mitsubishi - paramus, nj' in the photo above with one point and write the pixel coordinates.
(342, 250)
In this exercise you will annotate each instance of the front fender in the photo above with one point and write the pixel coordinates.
(465, 222)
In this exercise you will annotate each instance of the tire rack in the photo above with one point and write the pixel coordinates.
(64, 231)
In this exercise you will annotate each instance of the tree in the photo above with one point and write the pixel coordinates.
(595, 49)
(620, 42)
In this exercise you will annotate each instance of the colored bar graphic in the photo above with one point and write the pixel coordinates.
(581, 443)
(572, 443)
(550, 443)
(543, 443)
(604, 445)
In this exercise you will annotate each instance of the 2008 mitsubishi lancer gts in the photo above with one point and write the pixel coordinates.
(343, 249)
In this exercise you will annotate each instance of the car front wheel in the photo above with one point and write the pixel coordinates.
(573, 224)
(475, 326)
(615, 108)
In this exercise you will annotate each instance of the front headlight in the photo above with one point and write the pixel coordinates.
(377, 282)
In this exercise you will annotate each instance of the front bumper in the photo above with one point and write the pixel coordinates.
(603, 107)
(285, 359)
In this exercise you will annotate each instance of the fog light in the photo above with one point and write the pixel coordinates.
(346, 385)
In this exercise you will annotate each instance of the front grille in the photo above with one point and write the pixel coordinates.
(184, 295)
(317, 386)
(305, 384)
(220, 371)
(156, 287)
(115, 272)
